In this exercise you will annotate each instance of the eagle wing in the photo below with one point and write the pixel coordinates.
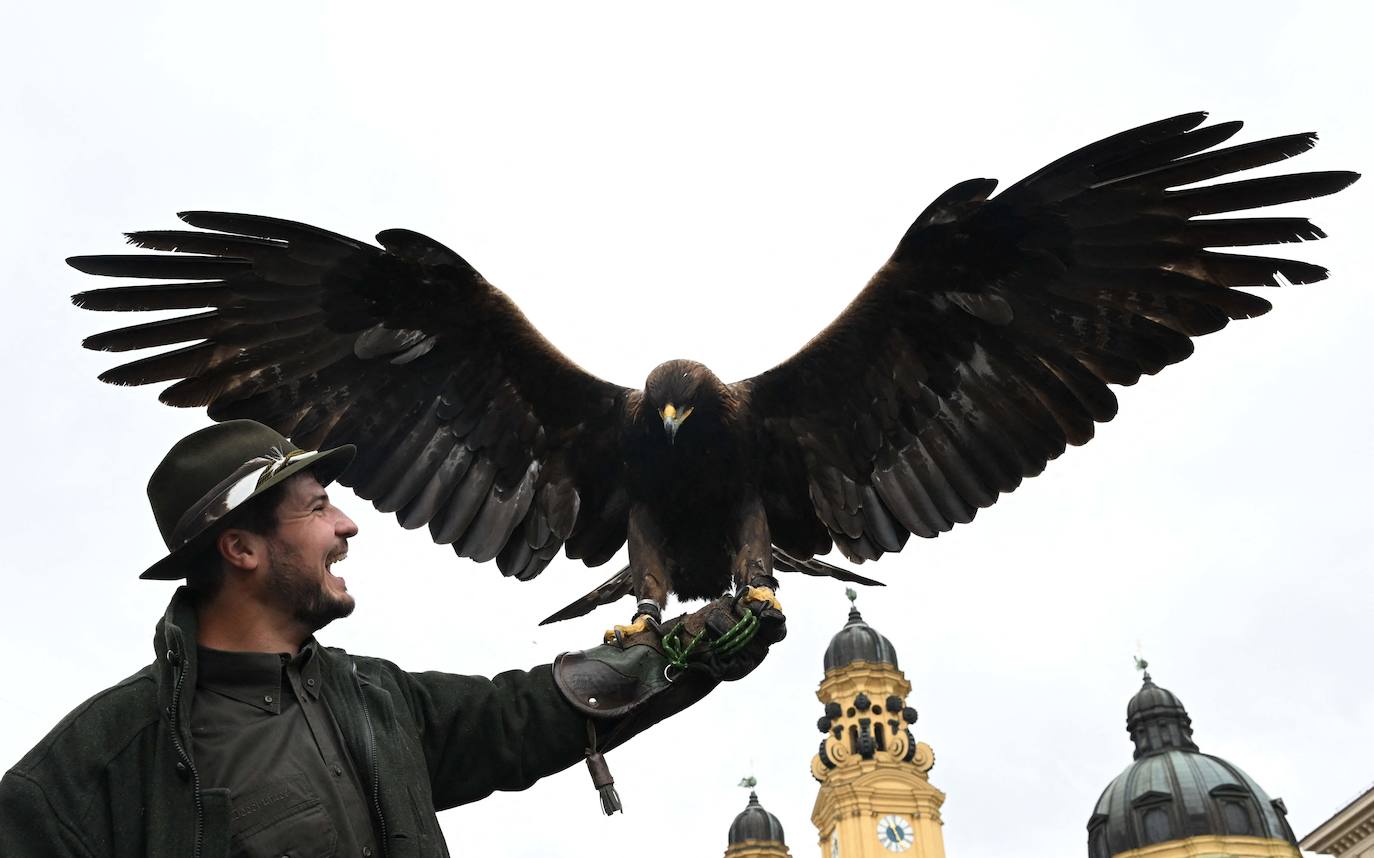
(465, 418)
(988, 341)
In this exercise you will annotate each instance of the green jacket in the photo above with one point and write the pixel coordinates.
(115, 777)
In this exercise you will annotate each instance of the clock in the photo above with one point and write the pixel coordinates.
(895, 833)
(835, 845)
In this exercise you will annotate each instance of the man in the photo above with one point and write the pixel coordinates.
(247, 737)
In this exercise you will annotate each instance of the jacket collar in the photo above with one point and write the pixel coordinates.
(177, 627)
(174, 650)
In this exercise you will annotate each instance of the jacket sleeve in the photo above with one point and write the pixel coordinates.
(504, 733)
(29, 826)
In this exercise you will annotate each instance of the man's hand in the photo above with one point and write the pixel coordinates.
(686, 656)
(724, 640)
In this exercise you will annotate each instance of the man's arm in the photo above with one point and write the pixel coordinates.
(505, 733)
(30, 826)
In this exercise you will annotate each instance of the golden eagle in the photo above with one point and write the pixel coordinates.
(975, 354)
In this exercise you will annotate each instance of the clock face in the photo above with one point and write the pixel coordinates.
(895, 833)
(834, 846)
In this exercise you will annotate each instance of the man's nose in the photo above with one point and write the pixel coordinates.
(345, 527)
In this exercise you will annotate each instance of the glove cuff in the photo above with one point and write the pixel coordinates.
(608, 681)
(622, 692)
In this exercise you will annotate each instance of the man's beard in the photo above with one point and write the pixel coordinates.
(301, 592)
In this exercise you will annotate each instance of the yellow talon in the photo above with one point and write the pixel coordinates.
(765, 595)
(639, 626)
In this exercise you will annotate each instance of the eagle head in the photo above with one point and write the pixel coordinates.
(680, 388)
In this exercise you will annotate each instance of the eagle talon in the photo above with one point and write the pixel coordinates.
(643, 622)
(764, 595)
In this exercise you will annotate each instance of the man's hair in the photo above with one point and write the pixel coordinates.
(205, 575)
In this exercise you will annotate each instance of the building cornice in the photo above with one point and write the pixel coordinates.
(1345, 828)
(757, 849)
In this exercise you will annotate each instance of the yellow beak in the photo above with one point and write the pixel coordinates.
(673, 419)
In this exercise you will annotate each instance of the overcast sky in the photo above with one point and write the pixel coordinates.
(651, 181)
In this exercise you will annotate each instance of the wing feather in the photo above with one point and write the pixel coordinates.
(466, 419)
(990, 340)
(424, 508)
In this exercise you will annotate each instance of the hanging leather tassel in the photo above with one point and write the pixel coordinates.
(601, 775)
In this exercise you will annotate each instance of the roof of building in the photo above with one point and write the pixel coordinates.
(755, 823)
(1344, 828)
(1157, 721)
(1173, 791)
(858, 641)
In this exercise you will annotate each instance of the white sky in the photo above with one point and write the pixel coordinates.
(626, 171)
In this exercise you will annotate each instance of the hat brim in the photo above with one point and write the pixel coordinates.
(327, 465)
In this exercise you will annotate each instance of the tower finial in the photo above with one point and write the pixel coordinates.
(1142, 665)
(854, 616)
(749, 782)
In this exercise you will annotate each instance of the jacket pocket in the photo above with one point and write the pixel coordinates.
(281, 818)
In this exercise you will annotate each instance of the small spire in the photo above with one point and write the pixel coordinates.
(854, 616)
(1142, 665)
(749, 783)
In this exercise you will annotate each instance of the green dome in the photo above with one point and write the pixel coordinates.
(1173, 791)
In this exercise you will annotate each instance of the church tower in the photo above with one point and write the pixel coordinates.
(875, 797)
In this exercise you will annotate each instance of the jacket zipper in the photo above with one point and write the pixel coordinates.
(184, 756)
(372, 753)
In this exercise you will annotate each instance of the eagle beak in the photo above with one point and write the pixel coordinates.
(672, 419)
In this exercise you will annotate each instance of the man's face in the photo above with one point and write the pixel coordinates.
(310, 537)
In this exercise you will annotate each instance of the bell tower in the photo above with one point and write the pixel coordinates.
(875, 798)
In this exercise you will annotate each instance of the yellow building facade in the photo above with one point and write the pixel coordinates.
(875, 797)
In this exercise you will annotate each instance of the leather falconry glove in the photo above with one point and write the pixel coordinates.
(628, 686)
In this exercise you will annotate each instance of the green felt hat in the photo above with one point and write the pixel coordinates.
(212, 473)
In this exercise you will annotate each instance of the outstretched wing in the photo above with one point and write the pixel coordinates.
(466, 419)
(988, 341)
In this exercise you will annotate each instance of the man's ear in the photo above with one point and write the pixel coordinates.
(241, 549)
